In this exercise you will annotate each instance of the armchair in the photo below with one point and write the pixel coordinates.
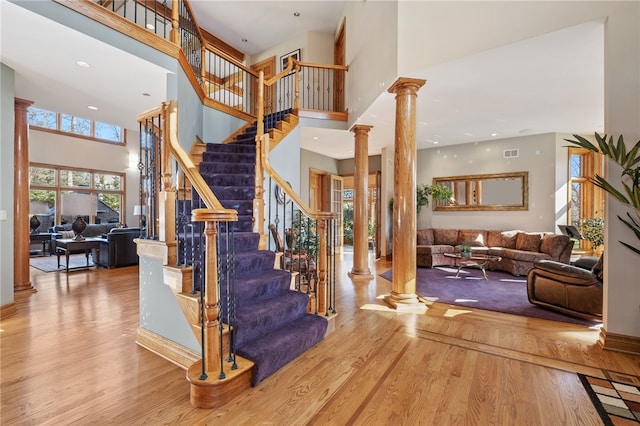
(567, 289)
(117, 248)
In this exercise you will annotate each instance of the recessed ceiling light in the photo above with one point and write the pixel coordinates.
(93, 108)
(296, 14)
(468, 134)
(315, 138)
(83, 64)
(146, 94)
(150, 27)
(494, 134)
(436, 142)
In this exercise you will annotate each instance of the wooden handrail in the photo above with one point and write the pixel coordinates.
(282, 73)
(324, 66)
(211, 48)
(284, 186)
(191, 171)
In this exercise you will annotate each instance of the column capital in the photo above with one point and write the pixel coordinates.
(405, 83)
(22, 103)
(360, 128)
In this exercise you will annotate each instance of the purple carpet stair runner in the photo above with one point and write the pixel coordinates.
(272, 324)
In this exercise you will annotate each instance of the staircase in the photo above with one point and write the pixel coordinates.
(272, 325)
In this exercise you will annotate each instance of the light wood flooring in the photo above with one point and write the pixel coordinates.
(69, 357)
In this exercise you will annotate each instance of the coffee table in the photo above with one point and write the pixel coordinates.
(479, 261)
(67, 245)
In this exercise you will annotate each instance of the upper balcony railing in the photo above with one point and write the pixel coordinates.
(315, 90)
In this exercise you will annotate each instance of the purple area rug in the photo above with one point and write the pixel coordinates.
(502, 292)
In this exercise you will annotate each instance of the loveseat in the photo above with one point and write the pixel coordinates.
(568, 289)
(117, 248)
(518, 250)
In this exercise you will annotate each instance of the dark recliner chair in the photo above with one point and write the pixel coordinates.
(118, 248)
(567, 289)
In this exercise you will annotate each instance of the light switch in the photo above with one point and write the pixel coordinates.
(3, 215)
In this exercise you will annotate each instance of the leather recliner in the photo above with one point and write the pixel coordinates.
(567, 289)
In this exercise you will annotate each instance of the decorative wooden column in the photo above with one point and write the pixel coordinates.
(360, 214)
(21, 278)
(403, 293)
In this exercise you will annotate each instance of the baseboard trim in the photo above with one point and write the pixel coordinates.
(8, 310)
(167, 349)
(619, 342)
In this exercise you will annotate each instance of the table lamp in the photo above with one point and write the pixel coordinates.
(37, 208)
(141, 210)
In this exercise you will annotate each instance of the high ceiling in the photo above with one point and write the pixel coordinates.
(535, 86)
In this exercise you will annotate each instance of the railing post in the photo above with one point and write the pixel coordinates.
(322, 266)
(260, 108)
(296, 85)
(258, 200)
(174, 35)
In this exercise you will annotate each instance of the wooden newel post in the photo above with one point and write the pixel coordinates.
(211, 310)
(403, 294)
(360, 214)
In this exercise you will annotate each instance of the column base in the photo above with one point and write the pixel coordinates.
(405, 303)
(357, 274)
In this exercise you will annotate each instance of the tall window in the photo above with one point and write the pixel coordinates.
(585, 199)
(47, 183)
(77, 126)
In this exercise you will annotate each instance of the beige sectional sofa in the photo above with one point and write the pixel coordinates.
(519, 250)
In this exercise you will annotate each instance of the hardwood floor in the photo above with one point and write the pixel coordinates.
(69, 357)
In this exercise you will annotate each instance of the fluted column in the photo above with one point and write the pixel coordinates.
(360, 213)
(21, 278)
(403, 294)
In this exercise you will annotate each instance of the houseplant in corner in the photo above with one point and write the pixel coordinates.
(629, 178)
(593, 231)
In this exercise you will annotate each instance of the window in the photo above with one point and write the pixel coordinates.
(78, 126)
(47, 183)
(585, 199)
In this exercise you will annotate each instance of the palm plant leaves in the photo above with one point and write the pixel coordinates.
(630, 163)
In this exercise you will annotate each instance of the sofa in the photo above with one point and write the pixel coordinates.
(93, 230)
(568, 289)
(118, 249)
(518, 250)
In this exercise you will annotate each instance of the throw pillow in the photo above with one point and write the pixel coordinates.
(447, 237)
(528, 242)
(509, 239)
(67, 234)
(472, 237)
(494, 238)
(425, 237)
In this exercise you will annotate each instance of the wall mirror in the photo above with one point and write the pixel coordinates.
(500, 191)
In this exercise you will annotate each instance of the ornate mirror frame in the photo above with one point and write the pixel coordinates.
(498, 191)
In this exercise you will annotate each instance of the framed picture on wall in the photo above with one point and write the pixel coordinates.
(284, 60)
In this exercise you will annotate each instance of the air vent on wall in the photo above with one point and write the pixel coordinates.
(510, 153)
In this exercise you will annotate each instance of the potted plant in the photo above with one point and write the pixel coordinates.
(465, 250)
(424, 192)
(592, 229)
(629, 160)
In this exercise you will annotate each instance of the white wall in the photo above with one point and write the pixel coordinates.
(7, 119)
(536, 156)
(372, 46)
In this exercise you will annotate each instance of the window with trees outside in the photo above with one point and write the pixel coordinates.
(43, 119)
(47, 183)
(586, 201)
